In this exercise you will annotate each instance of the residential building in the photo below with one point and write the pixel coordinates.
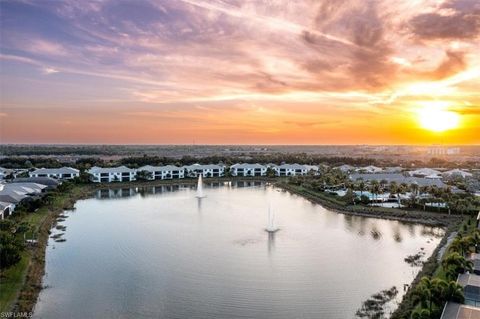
(471, 288)
(423, 172)
(290, 170)
(248, 170)
(208, 170)
(398, 178)
(346, 168)
(455, 310)
(163, 172)
(369, 169)
(112, 174)
(58, 173)
(6, 209)
(456, 173)
(51, 183)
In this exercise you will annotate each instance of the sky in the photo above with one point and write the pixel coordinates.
(240, 72)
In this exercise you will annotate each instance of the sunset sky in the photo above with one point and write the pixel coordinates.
(240, 72)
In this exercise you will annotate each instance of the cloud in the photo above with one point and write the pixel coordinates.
(453, 63)
(455, 19)
(50, 70)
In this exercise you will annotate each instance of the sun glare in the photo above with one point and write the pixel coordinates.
(436, 117)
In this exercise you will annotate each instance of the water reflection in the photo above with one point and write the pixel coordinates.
(271, 241)
(122, 192)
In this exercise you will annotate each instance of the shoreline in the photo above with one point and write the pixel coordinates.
(32, 279)
(421, 217)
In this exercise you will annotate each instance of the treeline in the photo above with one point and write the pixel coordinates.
(276, 158)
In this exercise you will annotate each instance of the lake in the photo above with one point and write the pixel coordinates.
(159, 252)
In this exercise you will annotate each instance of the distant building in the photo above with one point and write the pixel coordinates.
(346, 168)
(442, 151)
(424, 172)
(457, 172)
(248, 170)
(369, 169)
(398, 178)
(112, 174)
(163, 172)
(58, 173)
(290, 170)
(209, 170)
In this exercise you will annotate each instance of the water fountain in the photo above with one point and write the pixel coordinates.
(200, 187)
(271, 228)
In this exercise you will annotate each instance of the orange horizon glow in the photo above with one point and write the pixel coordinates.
(210, 72)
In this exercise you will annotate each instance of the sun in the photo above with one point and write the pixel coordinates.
(435, 117)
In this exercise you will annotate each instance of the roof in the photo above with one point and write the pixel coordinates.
(454, 310)
(38, 180)
(159, 168)
(11, 197)
(292, 166)
(398, 178)
(345, 168)
(119, 169)
(458, 172)
(25, 188)
(468, 280)
(61, 170)
(204, 166)
(248, 166)
(4, 205)
(370, 168)
(425, 172)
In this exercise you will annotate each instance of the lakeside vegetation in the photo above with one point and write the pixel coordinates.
(21, 276)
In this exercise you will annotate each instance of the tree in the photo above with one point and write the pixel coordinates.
(375, 189)
(454, 263)
(349, 196)
(144, 175)
(10, 249)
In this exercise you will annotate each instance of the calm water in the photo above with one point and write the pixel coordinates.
(164, 254)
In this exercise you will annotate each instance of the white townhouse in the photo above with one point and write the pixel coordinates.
(209, 170)
(248, 170)
(112, 174)
(58, 173)
(163, 172)
(290, 170)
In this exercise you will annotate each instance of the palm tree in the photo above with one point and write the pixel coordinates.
(375, 189)
(361, 187)
(453, 292)
(424, 293)
(462, 244)
(455, 263)
(421, 313)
